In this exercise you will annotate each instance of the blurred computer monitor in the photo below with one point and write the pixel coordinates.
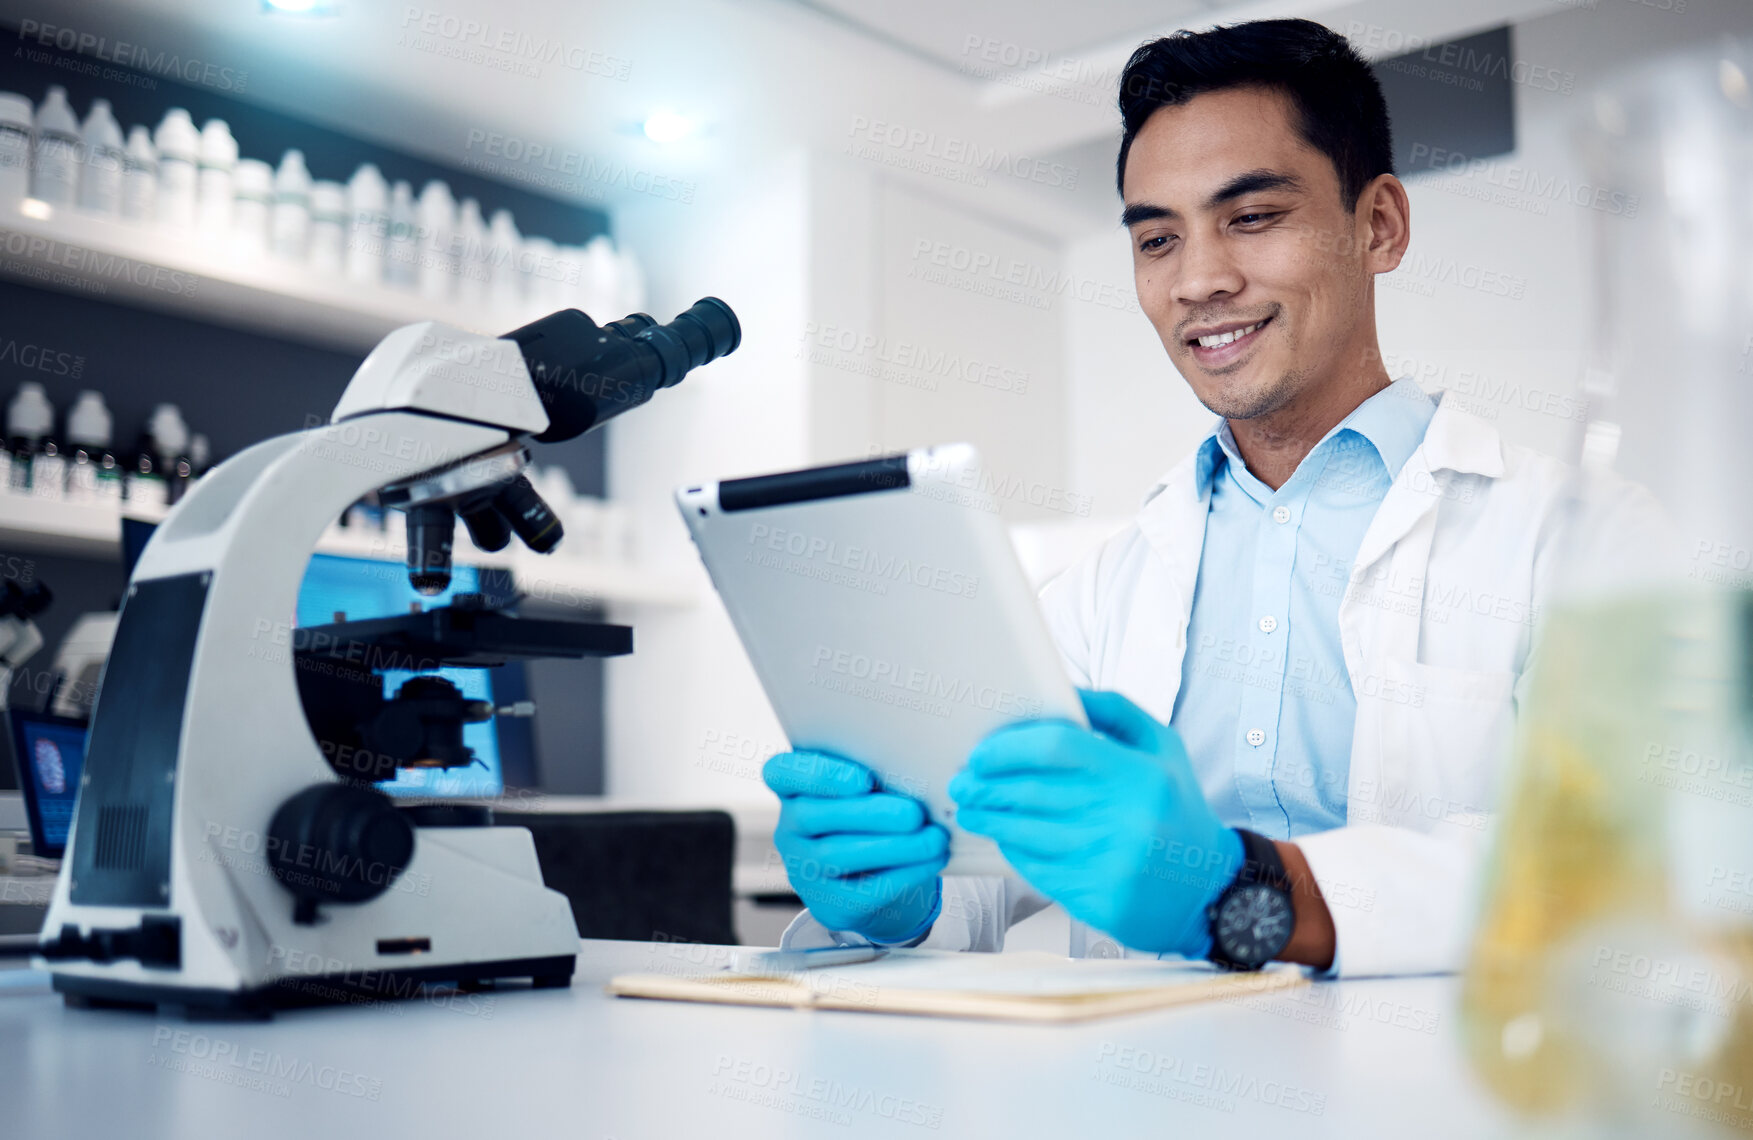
(50, 754)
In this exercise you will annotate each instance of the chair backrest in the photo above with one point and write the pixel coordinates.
(639, 875)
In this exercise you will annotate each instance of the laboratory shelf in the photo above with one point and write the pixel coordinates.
(70, 251)
(29, 524)
(50, 526)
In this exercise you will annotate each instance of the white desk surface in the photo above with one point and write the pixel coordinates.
(1348, 1059)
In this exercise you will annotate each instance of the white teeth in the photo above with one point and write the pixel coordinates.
(1225, 338)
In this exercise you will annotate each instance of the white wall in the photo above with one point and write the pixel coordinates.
(866, 327)
(930, 323)
(684, 705)
(978, 300)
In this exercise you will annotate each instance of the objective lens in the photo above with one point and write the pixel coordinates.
(431, 529)
(529, 516)
(486, 528)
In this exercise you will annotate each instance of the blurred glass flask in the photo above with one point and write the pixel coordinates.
(1610, 985)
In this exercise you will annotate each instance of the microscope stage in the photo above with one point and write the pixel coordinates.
(458, 636)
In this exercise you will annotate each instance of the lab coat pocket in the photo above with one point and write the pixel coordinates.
(1440, 736)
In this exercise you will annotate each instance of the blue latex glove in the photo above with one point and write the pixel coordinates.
(1108, 823)
(862, 860)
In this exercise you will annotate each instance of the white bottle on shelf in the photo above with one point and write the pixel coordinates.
(548, 267)
(140, 177)
(471, 255)
(93, 476)
(289, 231)
(252, 205)
(100, 176)
(166, 439)
(367, 225)
(15, 119)
(504, 281)
(565, 279)
(630, 279)
(54, 172)
(178, 145)
(572, 261)
(400, 250)
(529, 257)
(216, 192)
(328, 227)
(437, 217)
(170, 430)
(536, 263)
(575, 289)
(599, 285)
(30, 426)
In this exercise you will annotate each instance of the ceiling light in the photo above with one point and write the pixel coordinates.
(299, 7)
(668, 127)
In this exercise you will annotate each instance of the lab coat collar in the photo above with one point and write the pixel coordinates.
(1462, 442)
(1454, 441)
(1172, 518)
(1393, 421)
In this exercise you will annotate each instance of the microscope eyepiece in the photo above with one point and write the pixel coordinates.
(586, 374)
(704, 332)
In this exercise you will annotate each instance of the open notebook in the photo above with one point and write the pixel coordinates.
(1031, 986)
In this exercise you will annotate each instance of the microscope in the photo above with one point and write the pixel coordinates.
(20, 604)
(230, 853)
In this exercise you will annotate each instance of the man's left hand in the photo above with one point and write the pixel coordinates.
(1107, 821)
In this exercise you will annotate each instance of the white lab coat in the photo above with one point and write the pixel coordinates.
(1436, 624)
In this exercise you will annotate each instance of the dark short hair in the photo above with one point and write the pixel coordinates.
(1335, 94)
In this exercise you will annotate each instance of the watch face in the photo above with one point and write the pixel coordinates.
(1253, 923)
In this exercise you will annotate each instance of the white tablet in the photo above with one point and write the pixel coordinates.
(884, 611)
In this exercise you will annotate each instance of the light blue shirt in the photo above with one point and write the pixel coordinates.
(1265, 706)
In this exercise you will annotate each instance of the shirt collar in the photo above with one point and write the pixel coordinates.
(1394, 421)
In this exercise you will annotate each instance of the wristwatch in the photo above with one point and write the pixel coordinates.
(1252, 921)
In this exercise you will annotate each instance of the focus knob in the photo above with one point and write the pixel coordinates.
(338, 843)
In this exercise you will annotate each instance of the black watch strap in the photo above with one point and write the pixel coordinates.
(1261, 862)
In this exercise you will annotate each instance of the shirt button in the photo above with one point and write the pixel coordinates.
(1268, 624)
(1256, 737)
(1281, 514)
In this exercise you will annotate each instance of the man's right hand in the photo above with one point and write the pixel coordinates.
(862, 860)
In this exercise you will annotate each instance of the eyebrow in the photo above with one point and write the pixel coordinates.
(1248, 182)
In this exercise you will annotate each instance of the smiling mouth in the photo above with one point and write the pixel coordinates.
(1219, 340)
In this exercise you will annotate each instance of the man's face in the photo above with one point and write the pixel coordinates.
(1238, 230)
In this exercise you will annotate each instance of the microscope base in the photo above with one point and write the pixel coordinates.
(449, 985)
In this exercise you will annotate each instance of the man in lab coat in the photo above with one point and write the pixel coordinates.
(1312, 639)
